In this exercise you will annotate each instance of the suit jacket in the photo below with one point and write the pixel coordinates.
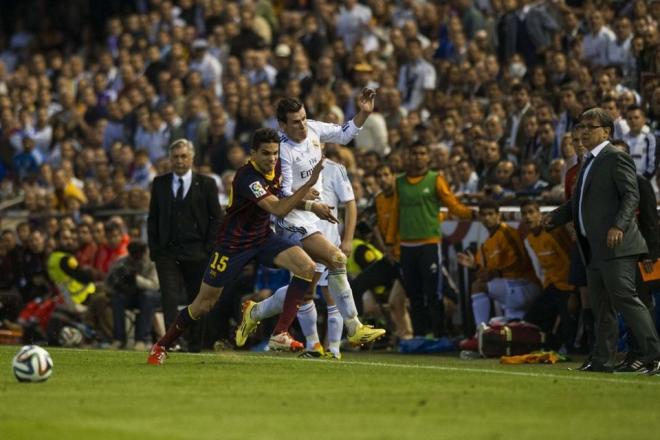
(206, 210)
(610, 199)
(521, 139)
(648, 217)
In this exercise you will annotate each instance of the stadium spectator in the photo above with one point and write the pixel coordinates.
(33, 278)
(642, 143)
(531, 184)
(133, 284)
(416, 77)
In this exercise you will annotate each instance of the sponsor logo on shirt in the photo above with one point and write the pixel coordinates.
(257, 189)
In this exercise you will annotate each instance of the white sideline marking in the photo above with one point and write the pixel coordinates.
(578, 376)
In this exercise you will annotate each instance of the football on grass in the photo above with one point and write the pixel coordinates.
(32, 364)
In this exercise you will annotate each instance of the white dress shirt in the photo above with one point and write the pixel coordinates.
(594, 153)
(187, 181)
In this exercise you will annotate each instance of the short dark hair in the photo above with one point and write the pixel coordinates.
(532, 163)
(608, 98)
(489, 204)
(264, 136)
(517, 87)
(287, 105)
(382, 166)
(467, 161)
(413, 40)
(601, 116)
(634, 107)
(419, 145)
(111, 227)
(372, 153)
(530, 202)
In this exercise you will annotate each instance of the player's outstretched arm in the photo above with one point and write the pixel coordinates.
(343, 134)
(366, 104)
(281, 207)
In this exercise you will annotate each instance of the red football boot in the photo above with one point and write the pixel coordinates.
(157, 355)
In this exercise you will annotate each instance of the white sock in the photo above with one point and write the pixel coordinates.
(271, 306)
(341, 293)
(480, 308)
(307, 316)
(335, 327)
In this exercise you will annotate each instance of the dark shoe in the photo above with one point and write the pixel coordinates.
(635, 366)
(584, 365)
(595, 367)
(652, 368)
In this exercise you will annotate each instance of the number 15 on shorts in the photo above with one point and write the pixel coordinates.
(219, 262)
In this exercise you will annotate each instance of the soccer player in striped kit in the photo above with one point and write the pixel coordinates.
(245, 235)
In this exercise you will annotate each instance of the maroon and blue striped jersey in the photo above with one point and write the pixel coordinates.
(246, 224)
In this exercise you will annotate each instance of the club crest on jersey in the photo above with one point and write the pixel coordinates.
(316, 143)
(257, 189)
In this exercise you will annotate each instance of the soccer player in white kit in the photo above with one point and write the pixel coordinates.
(301, 148)
(337, 190)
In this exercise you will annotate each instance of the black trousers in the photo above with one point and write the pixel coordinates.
(379, 273)
(612, 289)
(545, 310)
(420, 275)
(179, 285)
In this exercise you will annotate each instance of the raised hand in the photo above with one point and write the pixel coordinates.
(366, 101)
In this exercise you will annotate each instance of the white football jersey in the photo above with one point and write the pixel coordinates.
(298, 159)
(337, 189)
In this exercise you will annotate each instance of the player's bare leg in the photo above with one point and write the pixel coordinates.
(296, 261)
(321, 250)
(201, 305)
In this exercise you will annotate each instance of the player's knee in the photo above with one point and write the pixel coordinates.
(337, 259)
(306, 270)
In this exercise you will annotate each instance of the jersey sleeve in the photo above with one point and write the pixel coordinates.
(333, 133)
(450, 201)
(286, 170)
(342, 184)
(252, 187)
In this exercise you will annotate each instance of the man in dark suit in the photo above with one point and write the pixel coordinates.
(647, 219)
(184, 215)
(602, 209)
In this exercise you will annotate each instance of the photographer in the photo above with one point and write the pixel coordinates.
(133, 284)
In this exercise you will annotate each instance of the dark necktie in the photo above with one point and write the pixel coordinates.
(179, 192)
(587, 160)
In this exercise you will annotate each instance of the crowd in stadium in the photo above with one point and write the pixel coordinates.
(92, 96)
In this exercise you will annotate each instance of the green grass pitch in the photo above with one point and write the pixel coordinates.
(98, 395)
